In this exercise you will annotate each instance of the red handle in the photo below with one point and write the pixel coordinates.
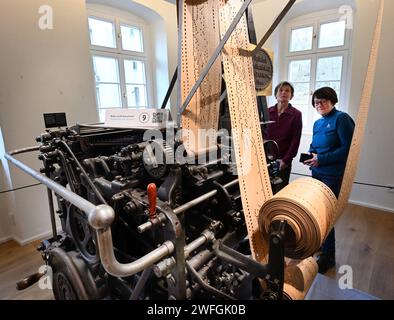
(152, 197)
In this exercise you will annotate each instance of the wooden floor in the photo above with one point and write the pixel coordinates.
(365, 242)
(17, 262)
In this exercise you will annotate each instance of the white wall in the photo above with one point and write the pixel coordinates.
(376, 161)
(41, 71)
(168, 30)
(375, 165)
(5, 183)
(160, 18)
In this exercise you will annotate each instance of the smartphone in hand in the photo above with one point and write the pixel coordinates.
(305, 156)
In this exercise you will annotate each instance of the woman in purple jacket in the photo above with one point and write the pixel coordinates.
(285, 131)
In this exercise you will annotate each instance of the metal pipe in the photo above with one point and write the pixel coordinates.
(179, 68)
(149, 224)
(23, 150)
(201, 258)
(164, 266)
(202, 198)
(205, 237)
(231, 184)
(50, 197)
(211, 163)
(52, 213)
(100, 218)
(194, 245)
(170, 89)
(91, 184)
(141, 284)
(113, 267)
(195, 202)
(67, 172)
(273, 26)
(70, 196)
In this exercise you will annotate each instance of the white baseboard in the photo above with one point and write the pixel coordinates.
(372, 206)
(43, 235)
(5, 239)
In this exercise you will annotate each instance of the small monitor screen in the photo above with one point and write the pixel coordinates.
(53, 120)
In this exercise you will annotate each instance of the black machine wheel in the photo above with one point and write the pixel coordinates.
(72, 279)
(62, 288)
(82, 234)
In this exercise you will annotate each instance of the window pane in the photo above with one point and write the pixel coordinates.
(305, 109)
(301, 39)
(132, 39)
(300, 71)
(329, 69)
(108, 96)
(336, 85)
(102, 33)
(136, 96)
(332, 34)
(106, 69)
(135, 71)
(301, 94)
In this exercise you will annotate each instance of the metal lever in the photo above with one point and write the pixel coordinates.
(29, 281)
(152, 197)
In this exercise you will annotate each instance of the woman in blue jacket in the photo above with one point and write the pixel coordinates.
(332, 136)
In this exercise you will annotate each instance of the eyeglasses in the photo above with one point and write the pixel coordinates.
(319, 102)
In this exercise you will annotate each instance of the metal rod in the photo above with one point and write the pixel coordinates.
(141, 283)
(195, 202)
(201, 258)
(100, 218)
(68, 195)
(113, 267)
(67, 171)
(202, 198)
(211, 61)
(52, 214)
(273, 26)
(23, 150)
(231, 184)
(223, 96)
(170, 89)
(92, 186)
(206, 236)
(164, 266)
(179, 69)
(194, 245)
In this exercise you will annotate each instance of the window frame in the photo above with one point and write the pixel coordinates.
(121, 54)
(316, 20)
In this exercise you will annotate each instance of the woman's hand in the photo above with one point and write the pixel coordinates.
(312, 162)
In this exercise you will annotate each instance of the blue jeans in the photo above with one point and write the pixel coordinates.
(334, 183)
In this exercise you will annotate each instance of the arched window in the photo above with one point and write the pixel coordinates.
(120, 56)
(317, 55)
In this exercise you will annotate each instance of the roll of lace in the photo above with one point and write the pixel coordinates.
(308, 207)
(299, 276)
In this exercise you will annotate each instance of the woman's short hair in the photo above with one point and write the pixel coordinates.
(325, 93)
(282, 84)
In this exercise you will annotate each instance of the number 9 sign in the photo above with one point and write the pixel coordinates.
(144, 117)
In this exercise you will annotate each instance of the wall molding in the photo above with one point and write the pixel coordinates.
(371, 206)
(5, 239)
(23, 242)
